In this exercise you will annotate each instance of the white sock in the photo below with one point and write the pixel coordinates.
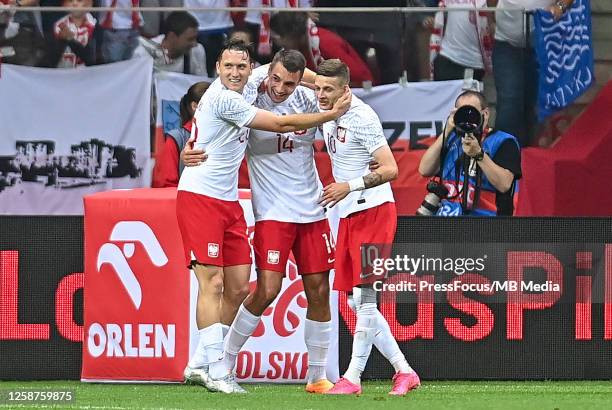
(365, 331)
(213, 336)
(242, 328)
(386, 343)
(199, 358)
(316, 337)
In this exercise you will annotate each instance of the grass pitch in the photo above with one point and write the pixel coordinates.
(431, 395)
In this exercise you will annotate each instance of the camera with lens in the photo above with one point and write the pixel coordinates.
(436, 192)
(468, 120)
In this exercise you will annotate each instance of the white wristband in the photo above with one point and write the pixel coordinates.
(356, 184)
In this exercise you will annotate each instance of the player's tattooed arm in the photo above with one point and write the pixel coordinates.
(383, 168)
(372, 179)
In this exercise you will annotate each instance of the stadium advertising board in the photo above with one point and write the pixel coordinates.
(506, 298)
(140, 298)
(536, 306)
(41, 297)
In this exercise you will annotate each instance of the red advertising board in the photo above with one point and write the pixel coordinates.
(136, 306)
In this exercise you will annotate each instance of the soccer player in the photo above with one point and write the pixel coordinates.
(367, 216)
(285, 190)
(209, 216)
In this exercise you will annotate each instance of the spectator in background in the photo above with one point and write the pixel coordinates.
(23, 33)
(460, 40)
(120, 29)
(258, 22)
(295, 30)
(73, 45)
(178, 49)
(382, 32)
(168, 166)
(48, 18)
(213, 28)
(8, 27)
(515, 67)
(153, 21)
(246, 36)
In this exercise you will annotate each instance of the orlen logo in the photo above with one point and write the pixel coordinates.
(117, 340)
(130, 232)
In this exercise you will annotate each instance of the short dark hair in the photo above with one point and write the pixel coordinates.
(292, 60)
(236, 45)
(179, 21)
(194, 94)
(334, 68)
(473, 93)
(289, 24)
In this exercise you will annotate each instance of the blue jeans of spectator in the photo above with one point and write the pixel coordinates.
(516, 81)
(118, 45)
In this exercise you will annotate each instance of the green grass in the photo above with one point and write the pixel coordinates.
(432, 395)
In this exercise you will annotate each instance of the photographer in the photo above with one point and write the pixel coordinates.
(467, 146)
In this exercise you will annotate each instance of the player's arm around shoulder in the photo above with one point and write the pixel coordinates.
(267, 121)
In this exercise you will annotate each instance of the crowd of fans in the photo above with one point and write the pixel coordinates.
(379, 48)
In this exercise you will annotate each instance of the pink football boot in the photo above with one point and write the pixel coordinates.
(344, 386)
(404, 382)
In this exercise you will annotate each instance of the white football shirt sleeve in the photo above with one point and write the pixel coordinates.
(258, 75)
(371, 136)
(232, 107)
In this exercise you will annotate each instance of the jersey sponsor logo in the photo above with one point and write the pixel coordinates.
(213, 250)
(273, 257)
(130, 232)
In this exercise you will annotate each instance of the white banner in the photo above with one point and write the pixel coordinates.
(67, 133)
(412, 111)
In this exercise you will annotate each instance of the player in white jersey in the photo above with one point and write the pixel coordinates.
(285, 191)
(367, 216)
(210, 218)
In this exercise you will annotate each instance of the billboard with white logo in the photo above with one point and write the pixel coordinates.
(140, 299)
(136, 305)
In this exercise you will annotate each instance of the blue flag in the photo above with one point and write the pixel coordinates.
(565, 55)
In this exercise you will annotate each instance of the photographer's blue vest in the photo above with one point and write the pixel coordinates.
(486, 205)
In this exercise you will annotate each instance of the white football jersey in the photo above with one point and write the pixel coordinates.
(285, 185)
(220, 130)
(351, 140)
